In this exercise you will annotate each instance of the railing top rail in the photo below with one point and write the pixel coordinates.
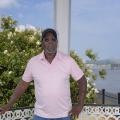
(103, 105)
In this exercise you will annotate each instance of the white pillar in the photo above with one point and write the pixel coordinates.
(62, 16)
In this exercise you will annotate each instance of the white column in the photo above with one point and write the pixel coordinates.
(62, 9)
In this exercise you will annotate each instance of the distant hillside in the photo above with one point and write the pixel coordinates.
(105, 61)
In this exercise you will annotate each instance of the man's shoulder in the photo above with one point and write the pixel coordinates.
(35, 58)
(64, 56)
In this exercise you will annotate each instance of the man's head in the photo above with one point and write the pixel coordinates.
(49, 41)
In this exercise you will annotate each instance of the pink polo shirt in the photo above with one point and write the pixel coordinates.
(52, 86)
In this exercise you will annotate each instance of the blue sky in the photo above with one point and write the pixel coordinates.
(95, 24)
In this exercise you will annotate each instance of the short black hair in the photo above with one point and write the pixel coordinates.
(49, 30)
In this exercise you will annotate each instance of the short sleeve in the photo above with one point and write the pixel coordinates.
(27, 76)
(76, 72)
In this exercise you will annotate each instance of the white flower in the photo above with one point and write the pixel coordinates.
(90, 70)
(88, 78)
(10, 72)
(93, 89)
(35, 32)
(31, 38)
(94, 84)
(96, 90)
(9, 35)
(88, 85)
(31, 83)
(22, 66)
(88, 95)
(11, 42)
(38, 43)
(14, 33)
(40, 33)
(5, 51)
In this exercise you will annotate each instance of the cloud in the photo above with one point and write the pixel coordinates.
(8, 3)
(21, 28)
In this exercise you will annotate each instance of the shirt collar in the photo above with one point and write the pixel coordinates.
(42, 56)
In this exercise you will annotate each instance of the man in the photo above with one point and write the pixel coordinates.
(50, 71)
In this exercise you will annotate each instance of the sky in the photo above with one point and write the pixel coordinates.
(95, 24)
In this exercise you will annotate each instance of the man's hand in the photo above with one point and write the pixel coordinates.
(4, 109)
(76, 109)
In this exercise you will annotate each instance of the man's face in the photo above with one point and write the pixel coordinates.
(49, 43)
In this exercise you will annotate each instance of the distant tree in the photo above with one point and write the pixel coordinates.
(90, 75)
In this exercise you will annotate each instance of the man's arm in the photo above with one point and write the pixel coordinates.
(82, 84)
(19, 90)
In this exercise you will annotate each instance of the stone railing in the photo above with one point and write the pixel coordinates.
(18, 114)
(90, 112)
(101, 112)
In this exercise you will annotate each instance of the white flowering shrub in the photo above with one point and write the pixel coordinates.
(17, 45)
